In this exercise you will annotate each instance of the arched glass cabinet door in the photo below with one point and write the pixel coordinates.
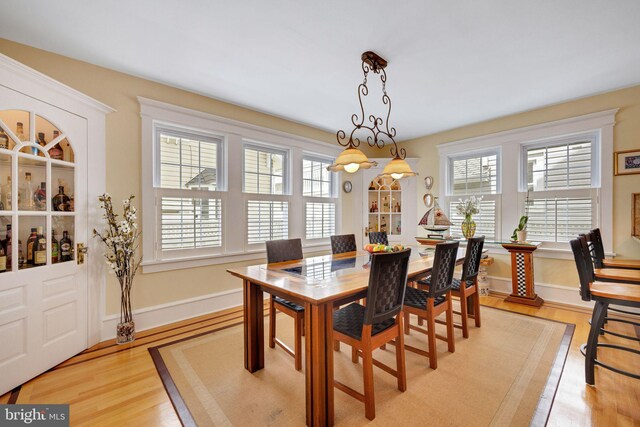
(385, 206)
(37, 182)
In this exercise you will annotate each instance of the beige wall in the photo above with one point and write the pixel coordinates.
(119, 91)
(626, 137)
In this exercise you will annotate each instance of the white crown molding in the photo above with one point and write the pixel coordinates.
(34, 76)
(162, 110)
(585, 122)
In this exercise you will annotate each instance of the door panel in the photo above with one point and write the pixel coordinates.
(43, 305)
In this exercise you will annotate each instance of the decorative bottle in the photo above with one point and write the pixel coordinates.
(4, 140)
(30, 243)
(3, 259)
(20, 131)
(40, 197)
(40, 249)
(66, 247)
(7, 194)
(56, 151)
(41, 142)
(26, 195)
(54, 248)
(8, 247)
(61, 201)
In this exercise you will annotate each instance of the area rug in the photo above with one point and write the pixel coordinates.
(505, 373)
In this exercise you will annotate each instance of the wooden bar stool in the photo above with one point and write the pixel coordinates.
(603, 294)
(594, 238)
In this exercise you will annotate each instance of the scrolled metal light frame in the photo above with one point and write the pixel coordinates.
(381, 134)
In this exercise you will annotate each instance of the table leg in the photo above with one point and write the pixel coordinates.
(319, 364)
(253, 326)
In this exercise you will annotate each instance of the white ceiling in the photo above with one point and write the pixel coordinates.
(450, 63)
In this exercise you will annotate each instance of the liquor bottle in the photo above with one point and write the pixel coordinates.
(40, 197)
(26, 194)
(66, 247)
(1, 199)
(42, 143)
(7, 194)
(40, 248)
(8, 247)
(3, 259)
(56, 151)
(21, 259)
(20, 131)
(4, 140)
(54, 248)
(61, 201)
(30, 242)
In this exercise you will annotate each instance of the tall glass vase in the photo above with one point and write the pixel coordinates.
(468, 227)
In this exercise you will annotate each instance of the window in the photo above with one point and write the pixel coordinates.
(214, 189)
(475, 174)
(188, 177)
(265, 173)
(316, 179)
(559, 180)
(264, 170)
(321, 220)
(317, 191)
(267, 220)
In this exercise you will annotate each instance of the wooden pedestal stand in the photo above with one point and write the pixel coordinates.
(522, 284)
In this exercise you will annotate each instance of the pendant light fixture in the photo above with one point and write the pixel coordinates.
(377, 130)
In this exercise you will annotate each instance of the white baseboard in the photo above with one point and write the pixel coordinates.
(159, 315)
(548, 292)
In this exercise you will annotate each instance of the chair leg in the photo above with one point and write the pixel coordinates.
(476, 304)
(463, 315)
(354, 355)
(401, 367)
(367, 371)
(451, 344)
(431, 338)
(298, 328)
(406, 322)
(272, 323)
(597, 321)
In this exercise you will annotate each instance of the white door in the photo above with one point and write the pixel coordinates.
(43, 300)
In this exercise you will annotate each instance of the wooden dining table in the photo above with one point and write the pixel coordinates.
(318, 284)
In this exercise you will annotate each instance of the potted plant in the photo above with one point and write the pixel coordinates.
(520, 232)
(468, 208)
(121, 237)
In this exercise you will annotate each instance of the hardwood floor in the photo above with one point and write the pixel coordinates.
(118, 385)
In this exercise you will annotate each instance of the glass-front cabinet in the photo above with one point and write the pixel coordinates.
(389, 205)
(385, 206)
(37, 182)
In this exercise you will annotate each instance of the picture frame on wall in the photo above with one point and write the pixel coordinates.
(635, 214)
(627, 162)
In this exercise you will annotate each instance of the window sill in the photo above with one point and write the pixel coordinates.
(157, 266)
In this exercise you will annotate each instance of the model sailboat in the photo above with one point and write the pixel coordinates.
(435, 219)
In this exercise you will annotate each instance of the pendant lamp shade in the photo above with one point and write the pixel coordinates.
(351, 160)
(397, 168)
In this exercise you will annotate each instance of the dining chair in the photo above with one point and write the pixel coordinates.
(281, 251)
(469, 277)
(594, 239)
(378, 237)
(429, 304)
(343, 243)
(380, 322)
(603, 294)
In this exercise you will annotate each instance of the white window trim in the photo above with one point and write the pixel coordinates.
(234, 134)
(511, 142)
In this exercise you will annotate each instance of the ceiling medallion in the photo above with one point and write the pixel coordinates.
(377, 130)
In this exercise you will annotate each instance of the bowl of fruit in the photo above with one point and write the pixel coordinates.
(381, 248)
